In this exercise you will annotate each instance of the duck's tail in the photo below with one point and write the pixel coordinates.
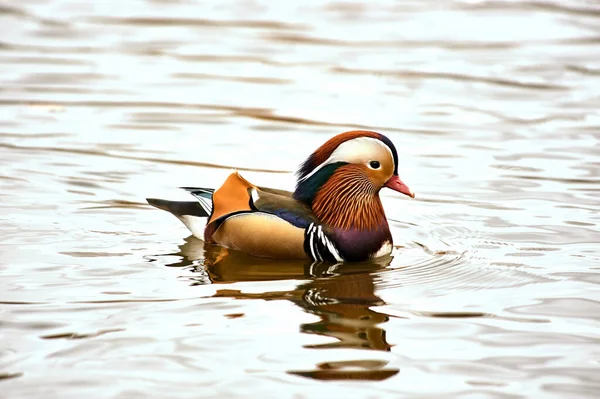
(179, 208)
(191, 213)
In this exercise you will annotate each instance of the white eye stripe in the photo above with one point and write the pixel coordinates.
(353, 151)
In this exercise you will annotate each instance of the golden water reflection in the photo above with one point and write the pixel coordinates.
(340, 295)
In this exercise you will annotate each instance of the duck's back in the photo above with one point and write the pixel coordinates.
(254, 225)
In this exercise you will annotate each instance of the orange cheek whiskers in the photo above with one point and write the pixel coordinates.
(349, 201)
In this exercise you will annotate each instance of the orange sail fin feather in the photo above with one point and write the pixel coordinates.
(232, 196)
(334, 215)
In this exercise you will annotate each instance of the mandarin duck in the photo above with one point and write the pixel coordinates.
(334, 215)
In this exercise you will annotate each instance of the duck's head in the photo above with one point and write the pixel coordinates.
(356, 163)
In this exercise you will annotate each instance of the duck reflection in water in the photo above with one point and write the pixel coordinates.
(341, 295)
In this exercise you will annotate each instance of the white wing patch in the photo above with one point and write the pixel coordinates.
(254, 195)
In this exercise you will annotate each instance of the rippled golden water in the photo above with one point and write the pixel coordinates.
(493, 291)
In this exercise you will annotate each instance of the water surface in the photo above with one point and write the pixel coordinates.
(493, 289)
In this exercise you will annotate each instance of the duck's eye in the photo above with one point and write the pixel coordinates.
(374, 164)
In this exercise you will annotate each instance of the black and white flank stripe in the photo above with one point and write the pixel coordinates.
(320, 247)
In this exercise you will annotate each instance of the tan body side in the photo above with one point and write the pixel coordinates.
(261, 234)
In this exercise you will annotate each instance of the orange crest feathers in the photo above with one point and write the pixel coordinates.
(324, 152)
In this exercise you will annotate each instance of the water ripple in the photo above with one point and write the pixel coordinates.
(194, 23)
(407, 74)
